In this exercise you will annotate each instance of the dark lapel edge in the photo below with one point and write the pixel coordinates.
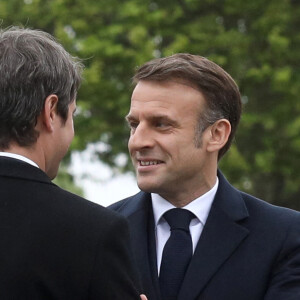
(220, 237)
(140, 216)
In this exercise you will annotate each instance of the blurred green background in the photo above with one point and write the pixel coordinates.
(257, 42)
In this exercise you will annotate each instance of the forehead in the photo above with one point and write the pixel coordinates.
(170, 96)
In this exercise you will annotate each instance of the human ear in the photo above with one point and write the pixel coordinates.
(49, 112)
(218, 135)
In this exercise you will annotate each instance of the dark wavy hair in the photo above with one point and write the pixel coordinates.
(222, 96)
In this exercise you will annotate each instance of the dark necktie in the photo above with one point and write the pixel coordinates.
(177, 252)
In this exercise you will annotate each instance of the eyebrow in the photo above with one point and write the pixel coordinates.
(158, 117)
(130, 118)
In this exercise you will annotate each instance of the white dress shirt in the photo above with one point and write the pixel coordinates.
(20, 157)
(200, 207)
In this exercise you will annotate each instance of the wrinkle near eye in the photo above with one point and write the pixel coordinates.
(162, 122)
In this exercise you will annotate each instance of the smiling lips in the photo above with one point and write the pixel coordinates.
(149, 162)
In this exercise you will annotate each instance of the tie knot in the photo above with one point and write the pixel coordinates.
(179, 218)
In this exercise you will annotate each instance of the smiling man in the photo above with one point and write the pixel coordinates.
(194, 235)
(54, 244)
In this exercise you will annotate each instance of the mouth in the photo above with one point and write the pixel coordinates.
(149, 162)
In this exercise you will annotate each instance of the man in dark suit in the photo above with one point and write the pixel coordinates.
(54, 245)
(194, 235)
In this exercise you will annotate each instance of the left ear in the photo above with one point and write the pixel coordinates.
(219, 134)
(49, 113)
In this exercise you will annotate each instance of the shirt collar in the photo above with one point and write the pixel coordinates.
(19, 157)
(200, 207)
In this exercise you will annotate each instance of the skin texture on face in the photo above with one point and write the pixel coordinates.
(62, 136)
(162, 119)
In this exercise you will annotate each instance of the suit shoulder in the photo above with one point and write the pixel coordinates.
(117, 205)
(133, 204)
(270, 212)
(123, 203)
(74, 206)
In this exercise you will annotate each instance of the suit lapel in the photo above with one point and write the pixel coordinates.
(140, 217)
(152, 253)
(220, 237)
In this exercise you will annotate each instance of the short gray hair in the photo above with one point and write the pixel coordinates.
(33, 65)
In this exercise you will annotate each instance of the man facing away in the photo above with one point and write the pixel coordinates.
(194, 235)
(54, 245)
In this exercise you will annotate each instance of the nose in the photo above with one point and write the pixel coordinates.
(140, 138)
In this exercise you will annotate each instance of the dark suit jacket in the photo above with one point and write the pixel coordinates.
(248, 250)
(56, 245)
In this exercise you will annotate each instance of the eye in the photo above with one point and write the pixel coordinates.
(162, 124)
(133, 125)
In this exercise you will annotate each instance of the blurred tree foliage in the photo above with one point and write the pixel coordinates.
(257, 42)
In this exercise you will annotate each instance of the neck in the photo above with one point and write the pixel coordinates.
(185, 196)
(30, 152)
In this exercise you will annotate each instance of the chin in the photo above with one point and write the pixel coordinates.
(148, 187)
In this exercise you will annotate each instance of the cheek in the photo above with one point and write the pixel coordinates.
(175, 144)
(72, 135)
(71, 126)
(186, 152)
(69, 135)
(73, 130)
(129, 145)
